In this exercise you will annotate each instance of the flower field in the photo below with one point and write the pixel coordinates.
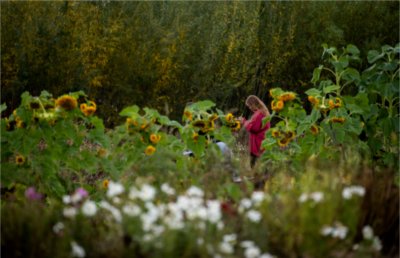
(326, 185)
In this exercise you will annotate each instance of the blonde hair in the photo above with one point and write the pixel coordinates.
(254, 101)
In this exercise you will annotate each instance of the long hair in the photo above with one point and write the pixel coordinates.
(254, 101)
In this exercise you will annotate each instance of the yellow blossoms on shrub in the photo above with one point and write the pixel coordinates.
(19, 159)
(155, 138)
(88, 110)
(195, 137)
(149, 150)
(331, 104)
(290, 135)
(67, 102)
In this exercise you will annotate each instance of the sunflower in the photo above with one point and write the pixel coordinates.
(314, 129)
(105, 183)
(283, 142)
(88, 110)
(213, 117)
(149, 150)
(188, 115)
(338, 120)
(237, 125)
(280, 104)
(19, 159)
(287, 96)
(313, 100)
(331, 104)
(67, 102)
(275, 133)
(290, 135)
(154, 138)
(229, 117)
(20, 123)
(338, 102)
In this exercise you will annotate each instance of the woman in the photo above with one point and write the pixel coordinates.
(255, 127)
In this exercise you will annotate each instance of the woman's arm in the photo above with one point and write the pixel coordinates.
(254, 125)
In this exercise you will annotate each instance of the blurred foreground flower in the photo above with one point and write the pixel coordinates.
(31, 194)
(77, 250)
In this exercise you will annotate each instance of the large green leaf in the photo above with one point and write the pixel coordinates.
(131, 111)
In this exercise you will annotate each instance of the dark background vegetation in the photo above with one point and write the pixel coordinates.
(165, 54)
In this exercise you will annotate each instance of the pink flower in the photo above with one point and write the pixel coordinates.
(31, 194)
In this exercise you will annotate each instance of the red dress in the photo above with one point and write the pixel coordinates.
(257, 132)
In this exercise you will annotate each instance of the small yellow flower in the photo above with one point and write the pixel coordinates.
(149, 150)
(20, 123)
(105, 183)
(154, 138)
(19, 159)
(67, 102)
(314, 129)
(195, 137)
(229, 117)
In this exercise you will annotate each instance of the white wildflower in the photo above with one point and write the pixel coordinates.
(348, 192)
(303, 197)
(376, 244)
(229, 238)
(147, 193)
(131, 210)
(326, 230)
(317, 196)
(252, 252)
(226, 248)
(257, 197)
(114, 211)
(247, 244)
(89, 208)
(58, 227)
(368, 232)
(214, 211)
(195, 191)
(254, 216)
(244, 205)
(114, 189)
(77, 250)
(167, 189)
(66, 199)
(267, 255)
(339, 231)
(70, 212)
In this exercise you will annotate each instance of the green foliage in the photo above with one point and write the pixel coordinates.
(163, 55)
